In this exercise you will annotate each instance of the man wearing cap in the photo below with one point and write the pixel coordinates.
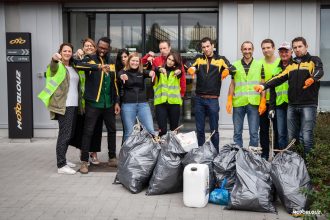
(278, 102)
(303, 76)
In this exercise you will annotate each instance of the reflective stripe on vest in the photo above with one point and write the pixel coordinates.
(282, 93)
(167, 89)
(244, 93)
(52, 83)
(281, 90)
(269, 70)
(82, 79)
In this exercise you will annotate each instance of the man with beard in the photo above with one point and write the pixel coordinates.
(303, 76)
(101, 97)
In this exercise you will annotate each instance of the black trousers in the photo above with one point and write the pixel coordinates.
(91, 116)
(264, 133)
(76, 140)
(66, 124)
(167, 111)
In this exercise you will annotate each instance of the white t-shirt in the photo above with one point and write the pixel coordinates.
(72, 98)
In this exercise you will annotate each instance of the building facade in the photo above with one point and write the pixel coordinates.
(139, 26)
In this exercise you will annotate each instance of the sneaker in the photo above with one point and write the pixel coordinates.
(256, 150)
(66, 170)
(70, 164)
(112, 162)
(94, 160)
(84, 168)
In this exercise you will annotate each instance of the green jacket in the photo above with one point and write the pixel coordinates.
(58, 99)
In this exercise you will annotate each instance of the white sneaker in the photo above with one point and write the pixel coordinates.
(66, 170)
(70, 164)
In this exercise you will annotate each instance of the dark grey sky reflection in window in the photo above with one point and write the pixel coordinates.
(126, 32)
(195, 26)
(100, 26)
(161, 27)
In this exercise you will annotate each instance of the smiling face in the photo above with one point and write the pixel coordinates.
(134, 62)
(299, 48)
(285, 54)
(247, 50)
(207, 48)
(66, 54)
(267, 49)
(89, 48)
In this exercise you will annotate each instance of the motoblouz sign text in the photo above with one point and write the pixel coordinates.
(19, 82)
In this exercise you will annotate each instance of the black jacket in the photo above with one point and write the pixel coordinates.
(296, 73)
(94, 76)
(209, 75)
(134, 88)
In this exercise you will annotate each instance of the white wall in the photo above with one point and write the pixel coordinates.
(44, 22)
(285, 20)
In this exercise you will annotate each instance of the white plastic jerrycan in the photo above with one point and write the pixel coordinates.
(196, 185)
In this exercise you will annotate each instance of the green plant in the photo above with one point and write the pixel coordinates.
(318, 164)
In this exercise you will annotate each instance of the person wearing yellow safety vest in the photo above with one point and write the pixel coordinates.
(242, 97)
(270, 63)
(278, 102)
(303, 76)
(102, 98)
(61, 97)
(167, 98)
(89, 48)
(210, 69)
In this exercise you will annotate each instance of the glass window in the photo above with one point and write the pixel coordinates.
(78, 28)
(98, 26)
(161, 27)
(324, 101)
(126, 32)
(325, 41)
(195, 26)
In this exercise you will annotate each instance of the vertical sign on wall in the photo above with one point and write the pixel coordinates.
(19, 83)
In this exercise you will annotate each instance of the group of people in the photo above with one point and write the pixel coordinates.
(84, 89)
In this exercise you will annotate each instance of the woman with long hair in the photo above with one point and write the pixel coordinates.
(61, 97)
(89, 48)
(134, 101)
(167, 98)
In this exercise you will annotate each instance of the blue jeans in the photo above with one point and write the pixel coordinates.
(253, 120)
(129, 112)
(302, 119)
(282, 130)
(207, 107)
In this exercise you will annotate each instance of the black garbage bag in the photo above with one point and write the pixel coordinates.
(290, 175)
(137, 159)
(225, 166)
(252, 190)
(203, 155)
(167, 176)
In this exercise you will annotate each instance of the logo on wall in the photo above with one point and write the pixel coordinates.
(18, 107)
(17, 41)
(19, 85)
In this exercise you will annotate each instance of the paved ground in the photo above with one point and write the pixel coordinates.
(30, 188)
